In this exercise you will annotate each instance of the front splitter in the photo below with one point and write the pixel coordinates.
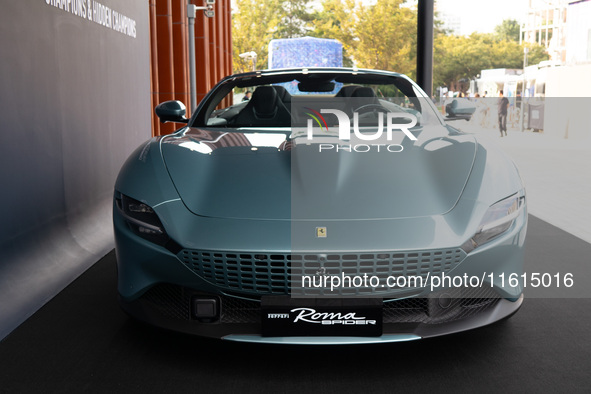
(387, 338)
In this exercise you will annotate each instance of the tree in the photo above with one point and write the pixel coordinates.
(253, 25)
(380, 35)
(336, 20)
(537, 53)
(256, 22)
(295, 19)
(386, 34)
(508, 30)
(459, 57)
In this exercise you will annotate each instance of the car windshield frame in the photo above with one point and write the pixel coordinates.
(402, 83)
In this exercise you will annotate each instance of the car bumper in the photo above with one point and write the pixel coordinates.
(241, 320)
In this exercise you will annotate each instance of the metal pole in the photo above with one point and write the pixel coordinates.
(191, 10)
(524, 81)
(425, 46)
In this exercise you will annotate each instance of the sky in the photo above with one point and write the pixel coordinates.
(483, 15)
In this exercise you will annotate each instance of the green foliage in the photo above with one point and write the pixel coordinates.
(256, 22)
(537, 53)
(386, 37)
(508, 30)
(295, 19)
(379, 35)
(458, 57)
(336, 20)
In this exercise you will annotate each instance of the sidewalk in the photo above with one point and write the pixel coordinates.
(556, 173)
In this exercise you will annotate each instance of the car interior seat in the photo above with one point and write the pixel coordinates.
(264, 109)
(283, 95)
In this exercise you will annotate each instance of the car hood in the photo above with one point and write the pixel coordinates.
(250, 174)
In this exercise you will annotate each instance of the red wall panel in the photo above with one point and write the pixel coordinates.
(169, 65)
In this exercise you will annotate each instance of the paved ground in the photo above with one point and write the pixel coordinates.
(556, 172)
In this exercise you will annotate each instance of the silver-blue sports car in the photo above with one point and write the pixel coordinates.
(334, 206)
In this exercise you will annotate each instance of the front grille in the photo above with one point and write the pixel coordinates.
(264, 273)
(462, 303)
(169, 300)
(174, 302)
(248, 273)
(238, 310)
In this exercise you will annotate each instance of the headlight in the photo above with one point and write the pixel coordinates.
(497, 219)
(142, 219)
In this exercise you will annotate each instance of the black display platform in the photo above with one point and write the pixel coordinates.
(82, 341)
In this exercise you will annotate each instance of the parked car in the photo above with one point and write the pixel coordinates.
(335, 206)
(460, 108)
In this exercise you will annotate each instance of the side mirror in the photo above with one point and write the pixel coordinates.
(172, 111)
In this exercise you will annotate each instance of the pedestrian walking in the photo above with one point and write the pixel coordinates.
(502, 112)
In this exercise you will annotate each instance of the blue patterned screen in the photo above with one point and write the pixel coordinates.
(305, 52)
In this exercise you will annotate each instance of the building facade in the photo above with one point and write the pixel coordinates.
(545, 24)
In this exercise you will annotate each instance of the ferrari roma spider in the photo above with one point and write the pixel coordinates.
(334, 206)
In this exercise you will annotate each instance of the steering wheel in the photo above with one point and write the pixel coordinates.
(371, 108)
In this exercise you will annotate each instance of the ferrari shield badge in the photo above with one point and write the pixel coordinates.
(320, 232)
